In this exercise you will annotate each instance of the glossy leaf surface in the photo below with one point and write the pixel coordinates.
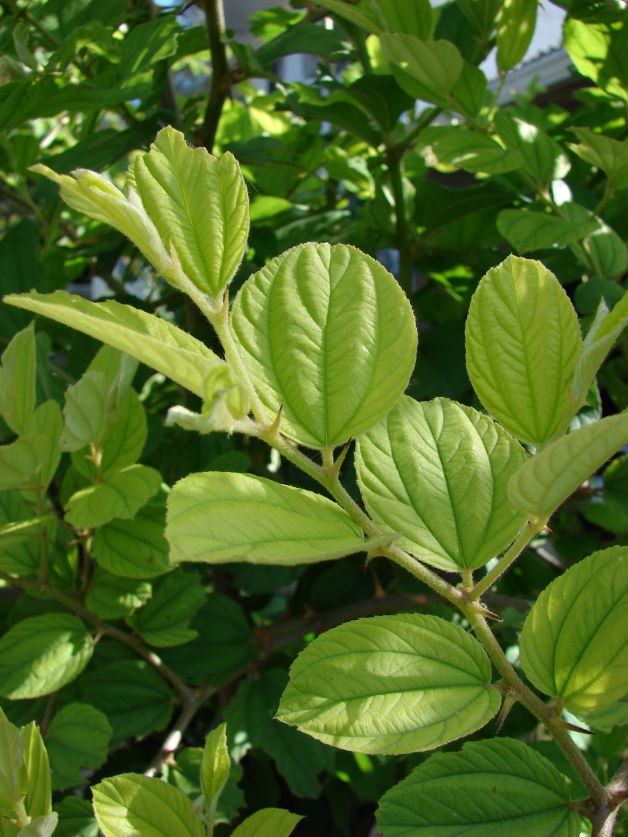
(390, 684)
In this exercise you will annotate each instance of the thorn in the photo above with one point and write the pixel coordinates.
(576, 728)
(274, 427)
(488, 614)
(344, 450)
(509, 701)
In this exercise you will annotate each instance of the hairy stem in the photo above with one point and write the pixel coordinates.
(532, 528)
(547, 715)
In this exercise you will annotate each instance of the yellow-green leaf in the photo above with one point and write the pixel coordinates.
(523, 341)
(328, 336)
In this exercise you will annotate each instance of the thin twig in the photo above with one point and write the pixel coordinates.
(219, 88)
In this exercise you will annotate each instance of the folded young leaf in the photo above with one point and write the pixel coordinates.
(37, 784)
(438, 472)
(120, 494)
(97, 197)
(390, 685)
(40, 826)
(489, 789)
(151, 340)
(199, 205)
(41, 654)
(545, 481)
(522, 342)
(604, 331)
(220, 518)
(215, 768)
(131, 805)
(268, 822)
(78, 737)
(426, 70)
(11, 759)
(328, 335)
(573, 644)
(17, 380)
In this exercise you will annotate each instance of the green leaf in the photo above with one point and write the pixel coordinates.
(218, 517)
(603, 332)
(76, 818)
(19, 551)
(97, 197)
(268, 822)
(131, 694)
(438, 473)
(327, 335)
(362, 14)
(40, 826)
(164, 620)
(527, 230)
(126, 437)
(390, 685)
(31, 461)
(111, 596)
(223, 649)
(516, 23)
(501, 787)
(426, 70)
(609, 155)
(469, 150)
(545, 481)
(17, 380)
(92, 404)
(573, 642)
(36, 772)
(134, 548)
(16, 533)
(600, 52)
(602, 251)
(215, 768)
(299, 759)
(41, 654)
(78, 737)
(11, 760)
(130, 805)
(120, 495)
(199, 205)
(522, 341)
(399, 16)
(606, 719)
(542, 157)
(151, 340)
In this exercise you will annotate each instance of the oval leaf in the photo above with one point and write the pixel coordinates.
(130, 805)
(78, 737)
(573, 643)
(41, 654)
(522, 341)
(220, 517)
(326, 333)
(120, 495)
(199, 204)
(426, 70)
(153, 341)
(489, 789)
(438, 473)
(545, 481)
(269, 822)
(515, 27)
(389, 685)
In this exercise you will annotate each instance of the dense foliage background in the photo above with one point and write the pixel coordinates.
(435, 175)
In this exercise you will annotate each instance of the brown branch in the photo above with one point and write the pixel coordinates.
(220, 81)
(131, 640)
